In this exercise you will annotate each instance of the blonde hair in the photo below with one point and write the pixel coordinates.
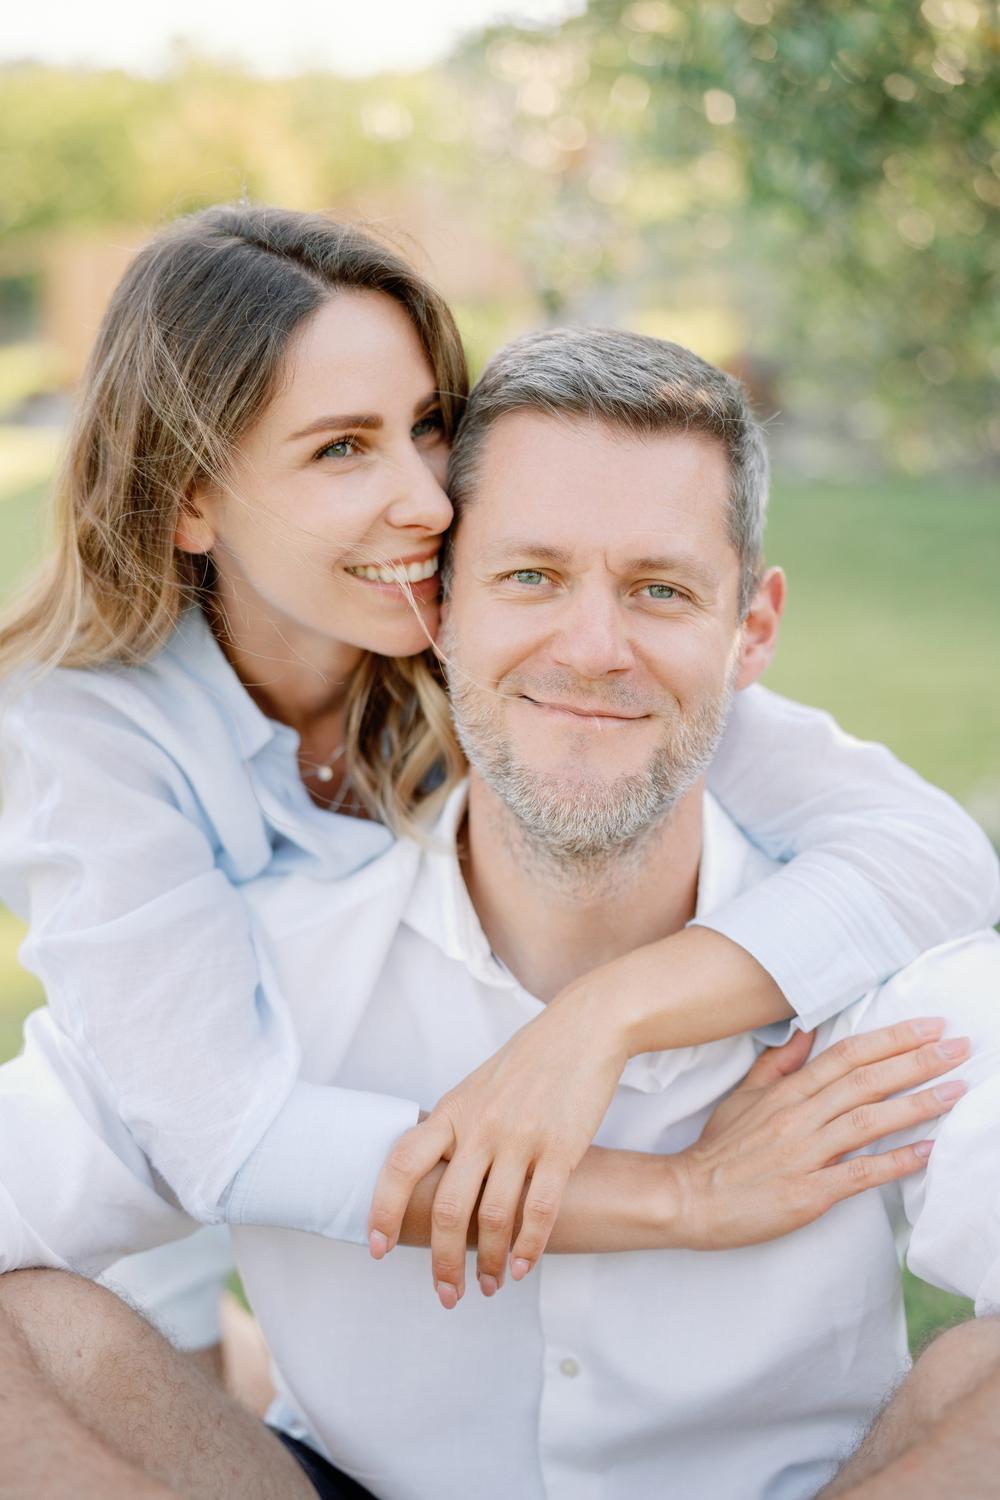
(188, 355)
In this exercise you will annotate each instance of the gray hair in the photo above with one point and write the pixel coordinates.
(627, 381)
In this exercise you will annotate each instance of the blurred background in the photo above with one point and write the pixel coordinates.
(805, 191)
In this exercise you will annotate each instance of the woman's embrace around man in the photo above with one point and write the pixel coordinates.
(225, 702)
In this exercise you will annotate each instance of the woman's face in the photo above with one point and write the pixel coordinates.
(339, 480)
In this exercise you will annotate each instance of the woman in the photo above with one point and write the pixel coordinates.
(228, 645)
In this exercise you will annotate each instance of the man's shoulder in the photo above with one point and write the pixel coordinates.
(972, 962)
(959, 980)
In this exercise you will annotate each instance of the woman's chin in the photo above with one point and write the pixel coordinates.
(406, 637)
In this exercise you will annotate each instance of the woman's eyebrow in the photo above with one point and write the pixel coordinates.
(325, 424)
(369, 421)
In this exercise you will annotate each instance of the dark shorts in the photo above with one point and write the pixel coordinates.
(328, 1482)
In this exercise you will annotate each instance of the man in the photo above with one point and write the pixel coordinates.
(591, 675)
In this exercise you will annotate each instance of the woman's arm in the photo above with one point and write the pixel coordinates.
(145, 950)
(767, 1162)
(882, 866)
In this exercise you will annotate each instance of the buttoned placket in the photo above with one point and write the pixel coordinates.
(567, 1411)
(567, 1309)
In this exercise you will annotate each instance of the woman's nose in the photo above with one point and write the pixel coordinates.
(420, 499)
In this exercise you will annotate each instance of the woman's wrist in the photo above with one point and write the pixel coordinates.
(693, 987)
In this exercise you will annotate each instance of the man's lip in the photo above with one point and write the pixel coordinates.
(581, 712)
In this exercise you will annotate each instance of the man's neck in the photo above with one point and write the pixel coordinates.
(552, 920)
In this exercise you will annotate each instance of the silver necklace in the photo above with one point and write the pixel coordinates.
(323, 770)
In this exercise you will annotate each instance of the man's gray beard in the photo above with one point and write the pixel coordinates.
(573, 822)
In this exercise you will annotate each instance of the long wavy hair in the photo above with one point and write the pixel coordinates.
(188, 355)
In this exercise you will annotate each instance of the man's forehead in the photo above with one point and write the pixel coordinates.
(566, 483)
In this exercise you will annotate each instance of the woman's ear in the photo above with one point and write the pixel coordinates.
(195, 531)
(760, 628)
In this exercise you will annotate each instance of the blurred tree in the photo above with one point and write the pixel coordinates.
(829, 171)
(805, 189)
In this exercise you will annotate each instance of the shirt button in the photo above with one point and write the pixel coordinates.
(569, 1367)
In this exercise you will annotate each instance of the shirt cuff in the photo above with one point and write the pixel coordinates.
(825, 938)
(316, 1167)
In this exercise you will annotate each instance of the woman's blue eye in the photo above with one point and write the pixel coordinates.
(433, 422)
(661, 591)
(342, 448)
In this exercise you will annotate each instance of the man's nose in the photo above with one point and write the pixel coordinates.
(593, 636)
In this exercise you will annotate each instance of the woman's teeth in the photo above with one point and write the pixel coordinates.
(413, 572)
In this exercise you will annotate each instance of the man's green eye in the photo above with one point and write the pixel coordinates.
(528, 575)
(661, 591)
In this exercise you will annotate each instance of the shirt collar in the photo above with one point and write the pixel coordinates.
(441, 910)
(193, 650)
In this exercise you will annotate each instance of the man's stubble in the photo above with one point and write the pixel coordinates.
(584, 827)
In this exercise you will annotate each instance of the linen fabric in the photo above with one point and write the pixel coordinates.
(743, 1373)
(140, 802)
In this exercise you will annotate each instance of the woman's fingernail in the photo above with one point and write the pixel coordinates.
(519, 1268)
(378, 1244)
(924, 1148)
(447, 1295)
(955, 1047)
(488, 1286)
(946, 1092)
(930, 1026)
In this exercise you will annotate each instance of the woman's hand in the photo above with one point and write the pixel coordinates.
(770, 1157)
(527, 1115)
(525, 1118)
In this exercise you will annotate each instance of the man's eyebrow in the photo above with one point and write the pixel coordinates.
(521, 547)
(673, 563)
(353, 420)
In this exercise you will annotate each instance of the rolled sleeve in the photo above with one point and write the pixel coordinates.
(880, 866)
(317, 1166)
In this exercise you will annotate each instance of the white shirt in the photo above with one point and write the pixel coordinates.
(734, 1375)
(140, 802)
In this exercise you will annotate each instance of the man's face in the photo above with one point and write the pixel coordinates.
(592, 628)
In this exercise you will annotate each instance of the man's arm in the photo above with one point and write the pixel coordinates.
(767, 1162)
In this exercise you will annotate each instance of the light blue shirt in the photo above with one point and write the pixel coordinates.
(138, 801)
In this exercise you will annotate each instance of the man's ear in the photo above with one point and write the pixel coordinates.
(196, 530)
(760, 628)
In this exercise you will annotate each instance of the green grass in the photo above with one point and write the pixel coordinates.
(894, 617)
(892, 624)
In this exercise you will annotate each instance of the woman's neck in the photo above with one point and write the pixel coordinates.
(293, 675)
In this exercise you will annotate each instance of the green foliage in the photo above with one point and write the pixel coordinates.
(821, 174)
(827, 171)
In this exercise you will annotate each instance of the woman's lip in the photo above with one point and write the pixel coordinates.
(397, 562)
(423, 589)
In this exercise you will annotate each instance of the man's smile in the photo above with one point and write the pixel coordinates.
(582, 711)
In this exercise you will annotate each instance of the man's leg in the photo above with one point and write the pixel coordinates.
(940, 1432)
(94, 1404)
